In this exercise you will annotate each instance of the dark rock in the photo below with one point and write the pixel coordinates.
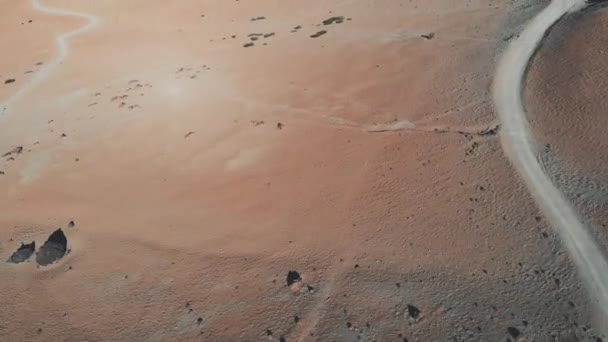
(332, 20)
(71, 224)
(23, 253)
(293, 277)
(16, 150)
(53, 249)
(318, 34)
(413, 311)
(296, 319)
(514, 332)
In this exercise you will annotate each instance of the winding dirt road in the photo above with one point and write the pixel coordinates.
(519, 147)
(61, 43)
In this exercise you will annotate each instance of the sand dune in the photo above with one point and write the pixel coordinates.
(191, 174)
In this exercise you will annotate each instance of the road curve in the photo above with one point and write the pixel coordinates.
(518, 145)
(61, 46)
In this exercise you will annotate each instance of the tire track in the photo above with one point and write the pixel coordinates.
(61, 44)
(518, 145)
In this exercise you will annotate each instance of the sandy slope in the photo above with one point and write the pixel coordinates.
(186, 206)
(575, 235)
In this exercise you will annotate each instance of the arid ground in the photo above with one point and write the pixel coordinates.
(254, 170)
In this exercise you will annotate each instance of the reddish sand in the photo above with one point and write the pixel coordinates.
(376, 186)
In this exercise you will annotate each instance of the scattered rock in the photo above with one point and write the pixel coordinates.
(199, 320)
(23, 253)
(53, 249)
(71, 224)
(16, 150)
(296, 319)
(10, 80)
(280, 125)
(257, 122)
(293, 277)
(337, 20)
(318, 34)
(428, 36)
(258, 18)
(489, 131)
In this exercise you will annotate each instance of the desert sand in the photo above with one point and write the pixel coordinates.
(196, 155)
